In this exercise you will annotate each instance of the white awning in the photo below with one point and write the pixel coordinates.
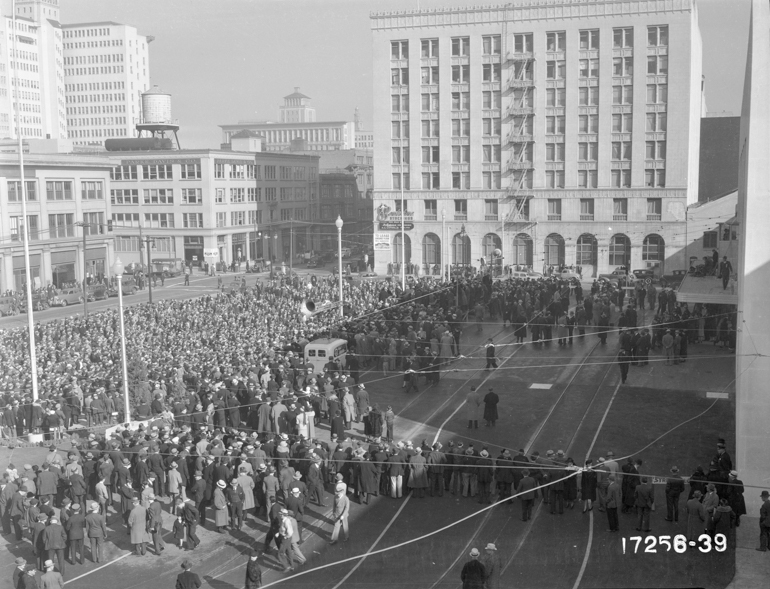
(707, 289)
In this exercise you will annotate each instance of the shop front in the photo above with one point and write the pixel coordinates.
(238, 247)
(193, 250)
(19, 277)
(63, 268)
(96, 261)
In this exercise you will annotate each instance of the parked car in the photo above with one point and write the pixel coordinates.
(315, 262)
(129, 286)
(69, 296)
(97, 292)
(618, 277)
(673, 280)
(39, 302)
(568, 274)
(8, 306)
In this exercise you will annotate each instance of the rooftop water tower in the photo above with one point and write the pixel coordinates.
(156, 115)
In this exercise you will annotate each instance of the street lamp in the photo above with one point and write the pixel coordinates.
(338, 223)
(117, 269)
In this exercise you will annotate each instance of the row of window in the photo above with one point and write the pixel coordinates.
(622, 38)
(59, 226)
(221, 171)
(56, 190)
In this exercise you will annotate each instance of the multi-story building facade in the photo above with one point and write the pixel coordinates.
(341, 196)
(62, 192)
(213, 206)
(106, 70)
(37, 63)
(558, 132)
(297, 120)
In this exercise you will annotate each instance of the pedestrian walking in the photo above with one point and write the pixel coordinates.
(340, 513)
(473, 574)
(137, 524)
(696, 516)
(96, 529)
(764, 522)
(526, 490)
(644, 502)
(614, 499)
(51, 579)
(492, 566)
(490, 351)
(624, 361)
(253, 571)
(187, 579)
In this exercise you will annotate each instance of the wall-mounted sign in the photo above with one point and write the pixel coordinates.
(381, 242)
(395, 226)
(211, 252)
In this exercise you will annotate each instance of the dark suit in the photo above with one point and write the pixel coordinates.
(75, 527)
(645, 497)
(614, 500)
(188, 580)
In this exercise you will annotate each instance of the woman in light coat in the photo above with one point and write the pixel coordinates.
(473, 408)
(349, 408)
(247, 484)
(221, 514)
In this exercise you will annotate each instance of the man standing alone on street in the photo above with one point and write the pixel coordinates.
(674, 488)
(614, 500)
(491, 360)
(340, 513)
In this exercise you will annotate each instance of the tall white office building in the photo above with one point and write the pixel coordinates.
(106, 70)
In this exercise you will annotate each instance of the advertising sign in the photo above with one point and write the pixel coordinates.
(211, 252)
(381, 242)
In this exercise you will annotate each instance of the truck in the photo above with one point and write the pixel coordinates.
(618, 277)
(168, 267)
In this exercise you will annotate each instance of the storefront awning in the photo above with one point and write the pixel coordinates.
(706, 289)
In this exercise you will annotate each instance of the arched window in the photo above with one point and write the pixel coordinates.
(522, 250)
(431, 249)
(585, 251)
(461, 250)
(620, 250)
(554, 250)
(653, 248)
(489, 244)
(397, 245)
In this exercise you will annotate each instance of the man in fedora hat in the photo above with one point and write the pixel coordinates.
(735, 499)
(340, 513)
(55, 541)
(96, 528)
(764, 522)
(674, 488)
(187, 579)
(473, 574)
(18, 571)
(491, 562)
(51, 579)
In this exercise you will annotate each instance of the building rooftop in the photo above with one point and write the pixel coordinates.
(241, 125)
(297, 94)
(83, 25)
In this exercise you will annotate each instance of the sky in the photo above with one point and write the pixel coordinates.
(229, 60)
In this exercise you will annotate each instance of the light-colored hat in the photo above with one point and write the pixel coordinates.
(221, 484)
(491, 546)
(734, 473)
(48, 564)
(340, 487)
(474, 551)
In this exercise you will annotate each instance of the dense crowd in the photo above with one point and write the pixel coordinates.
(231, 408)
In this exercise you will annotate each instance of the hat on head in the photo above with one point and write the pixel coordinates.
(490, 546)
(610, 454)
(560, 453)
(674, 469)
(20, 562)
(94, 506)
(469, 451)
(484, 453)
(734, 473)
(340, 487)
(54, 520)
(549, 453)
(198, 473)
(297, 475)
(474, 552)
(221, 484)
(295, 490)
(186, 564)
(76, 507)
(764, 494)
(48, 564)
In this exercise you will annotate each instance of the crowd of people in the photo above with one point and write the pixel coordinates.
(230, 410)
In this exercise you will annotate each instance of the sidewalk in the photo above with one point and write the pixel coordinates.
(752, 568)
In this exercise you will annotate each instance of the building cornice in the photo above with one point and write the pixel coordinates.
(526, 10)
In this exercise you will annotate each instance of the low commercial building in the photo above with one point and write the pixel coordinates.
(63, 191)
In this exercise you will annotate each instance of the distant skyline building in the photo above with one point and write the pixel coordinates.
(364, 139)
(297, 120)
(562, 133)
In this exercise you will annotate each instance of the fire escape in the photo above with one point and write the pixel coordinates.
(520, 140)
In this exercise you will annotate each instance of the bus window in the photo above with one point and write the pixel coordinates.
(321, 353)
(311, 353)
(338, 351)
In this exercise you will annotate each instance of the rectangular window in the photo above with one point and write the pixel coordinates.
(461, 46)
(490, 72)
(554, 178)
(461, 210)
(237, 171)
(586, 209)
(124, 197)
(623, 38)
(460, 127)
(589, 40)
(461, 180)
(123, 173)
(588, 151)
(269, 172)
(91, 190)
(588, 96)
(430, 102)
(621, 178)
(522, 43)
(554, 152)
(588, 123)
(589, 68)
(522, 179)
(399, 103)
(556, 41)
(556, 69)
(657, 36)
(490, 154)
(491, 180)
(237, 195)
(490, 45)
(657, 93)
(429, 75)
(430, 128)
(396, 178)
(14, 190)
(238, 217)
(158, 196)
(219, 196)
(461, 74)
(491, 127)
(430, 181)
(429, 48)
(654, 209)
(490, 209)
(656, 121)
(399, 49)
(621, 150)
(58, 190)
(623, 94)
(619, 209)
(554, 209)
(555, 125)
(555, 96)
(461, 100)
(158, 172)
(522, 98)
(622, 66)
(431, 210)
(461, 154)
(655, 150)
(191, 172)
(522, 70)
(430, 154)
(221, 219)
(93, 223)
(159, 220)
(126, 219)
(191, 196)
(219, 171)
(192, 220)
(622, 123)
(655, 178)
(709, 239)
(657, 65)
(587, 178)
(61, 226)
